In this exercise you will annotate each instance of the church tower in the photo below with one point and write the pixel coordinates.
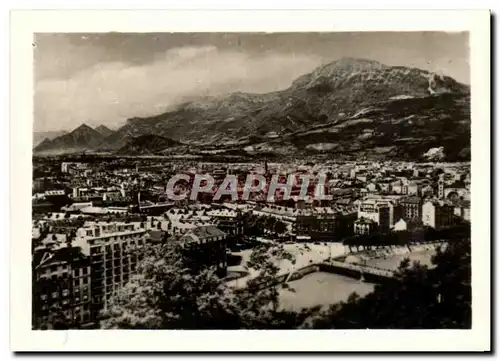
(441, 187)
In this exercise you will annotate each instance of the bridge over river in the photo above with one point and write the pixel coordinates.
(357, 270)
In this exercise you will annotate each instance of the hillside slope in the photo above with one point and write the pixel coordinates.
(148, 144)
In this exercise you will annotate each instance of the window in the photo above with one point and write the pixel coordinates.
(43, 297)
(85, 270)
(53, 269)
(77, 272)
(54, 294)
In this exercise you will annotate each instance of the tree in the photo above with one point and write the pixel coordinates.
(169, 294)
(57, 320)
(419, 297)
(279, 227)
(260, 299)
(269, 223)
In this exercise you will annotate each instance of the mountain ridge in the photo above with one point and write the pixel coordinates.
(104, 130)
(332, 94)
(81, 138)
(148, 144)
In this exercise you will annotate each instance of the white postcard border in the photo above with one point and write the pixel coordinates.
(25, 23)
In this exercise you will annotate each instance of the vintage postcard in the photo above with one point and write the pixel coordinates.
(268, 171)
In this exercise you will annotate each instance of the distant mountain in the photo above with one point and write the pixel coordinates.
(148, 144)
(104, 130)
(349, 107)
(82, 138)
(38, 137)
(45, 144)
(339, 92)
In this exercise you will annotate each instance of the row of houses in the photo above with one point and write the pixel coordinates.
(384, 214)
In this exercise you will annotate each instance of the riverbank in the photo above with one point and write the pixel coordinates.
(390, 258)
(305, 254)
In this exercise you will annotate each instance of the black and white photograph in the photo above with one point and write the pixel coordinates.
(219, 180)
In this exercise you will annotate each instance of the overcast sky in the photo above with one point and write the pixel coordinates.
(107, 78)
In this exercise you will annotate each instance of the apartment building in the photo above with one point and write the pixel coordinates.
(326, 226)
(411, 208)
(81, 276)
(227, 220)
(61, 285)
(207, 246)
(113, 251)
(364, 226)
(383, 213)
(437, 214)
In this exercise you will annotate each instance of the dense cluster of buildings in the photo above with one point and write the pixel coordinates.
(91, 220)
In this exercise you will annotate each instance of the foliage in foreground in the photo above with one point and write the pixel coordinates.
(422, 298)
(167, 294)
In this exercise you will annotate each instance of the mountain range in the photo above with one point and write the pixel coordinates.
(350, 107)
(104, 130)
(39, 137)
(81, 138)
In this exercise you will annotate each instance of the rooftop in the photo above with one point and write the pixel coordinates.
(202, 233)
(413, 199)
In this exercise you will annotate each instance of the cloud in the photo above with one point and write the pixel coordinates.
(110, 92)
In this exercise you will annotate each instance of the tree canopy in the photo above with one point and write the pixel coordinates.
(420, 298)
(167, 294)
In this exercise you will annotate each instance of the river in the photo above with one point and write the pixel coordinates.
(321, 288)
